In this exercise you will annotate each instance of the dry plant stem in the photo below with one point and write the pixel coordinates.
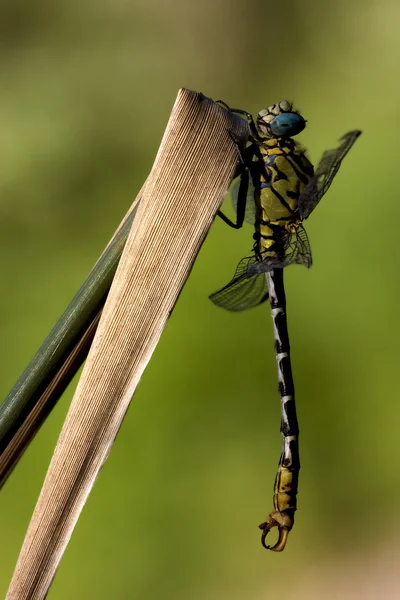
(58, 359)
(192, 171)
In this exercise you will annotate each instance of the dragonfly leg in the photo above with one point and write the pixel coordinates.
(223, 104)
(239, 111)
(246, 168)
(241, 159)
(250, 120)
(241, 202)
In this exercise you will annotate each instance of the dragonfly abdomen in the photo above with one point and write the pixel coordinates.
(286, 481)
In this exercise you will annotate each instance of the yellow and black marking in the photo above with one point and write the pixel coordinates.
(286, 480)
(277, 191)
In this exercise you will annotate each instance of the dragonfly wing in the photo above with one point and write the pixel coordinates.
(248, 287)
(250, 212)
(295, 250)
(300, 250)
(324, 174)
(244, 291)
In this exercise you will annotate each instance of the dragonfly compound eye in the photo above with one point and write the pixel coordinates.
(287, 125)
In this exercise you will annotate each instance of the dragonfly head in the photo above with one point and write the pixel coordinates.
(280, 120)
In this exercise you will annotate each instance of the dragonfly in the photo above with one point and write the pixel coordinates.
(277, 189)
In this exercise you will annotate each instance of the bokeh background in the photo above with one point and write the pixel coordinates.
(86, 89)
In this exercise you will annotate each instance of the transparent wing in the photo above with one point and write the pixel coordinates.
(250, 212)
(295, 249)
(243, 291)
(324, 174)
(248, 287)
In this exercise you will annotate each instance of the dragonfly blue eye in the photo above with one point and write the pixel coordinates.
(287, 124)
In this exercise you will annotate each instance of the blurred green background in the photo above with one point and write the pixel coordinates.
(86, 91)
